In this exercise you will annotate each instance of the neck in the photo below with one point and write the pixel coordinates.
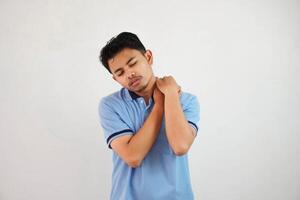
(147, 92)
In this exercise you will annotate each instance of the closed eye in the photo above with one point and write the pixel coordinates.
(133, 64)
(120, 73)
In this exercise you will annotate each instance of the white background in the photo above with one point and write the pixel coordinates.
(241, 58)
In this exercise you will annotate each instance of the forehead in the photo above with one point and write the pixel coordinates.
(122, 57)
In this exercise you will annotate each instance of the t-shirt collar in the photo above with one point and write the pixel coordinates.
(133, 96)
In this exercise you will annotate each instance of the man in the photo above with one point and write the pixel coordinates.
(150, 125)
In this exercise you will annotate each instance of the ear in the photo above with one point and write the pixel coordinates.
(149, 56)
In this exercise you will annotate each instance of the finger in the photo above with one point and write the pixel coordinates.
(158, 83)
(179, 89)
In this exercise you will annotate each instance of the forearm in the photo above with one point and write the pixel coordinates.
(178, 130)
(141, 143)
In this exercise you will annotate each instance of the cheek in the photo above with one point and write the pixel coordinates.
(146, 70)
(149, 72)
(121, 81)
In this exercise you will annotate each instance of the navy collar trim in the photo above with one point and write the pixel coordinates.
(133, 95)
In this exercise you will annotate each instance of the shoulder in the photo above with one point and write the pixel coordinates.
(113, 100)
(189, 101)
(186, 97)
(115, 97)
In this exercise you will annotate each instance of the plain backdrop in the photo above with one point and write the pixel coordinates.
(241, 59)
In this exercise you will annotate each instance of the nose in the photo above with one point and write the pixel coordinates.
(131, 75)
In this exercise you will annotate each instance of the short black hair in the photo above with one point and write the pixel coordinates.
(117, 44)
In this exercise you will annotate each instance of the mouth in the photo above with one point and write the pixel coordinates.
(134, 82)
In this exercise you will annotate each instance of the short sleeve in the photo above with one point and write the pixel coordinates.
(191, 109)
(112, 123)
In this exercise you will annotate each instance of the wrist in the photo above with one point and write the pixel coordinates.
(171, 95)
(159, 107)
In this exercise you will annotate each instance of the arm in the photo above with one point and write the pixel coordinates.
(179, 132)
(133, 148)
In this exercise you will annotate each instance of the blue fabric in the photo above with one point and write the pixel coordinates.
(162, 175)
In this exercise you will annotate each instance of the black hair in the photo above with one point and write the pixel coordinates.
(117, 44)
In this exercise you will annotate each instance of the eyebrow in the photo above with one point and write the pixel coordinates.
(130, 59)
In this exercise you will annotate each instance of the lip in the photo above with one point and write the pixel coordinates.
(134, 82)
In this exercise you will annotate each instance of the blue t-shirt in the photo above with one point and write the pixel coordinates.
(162, 175)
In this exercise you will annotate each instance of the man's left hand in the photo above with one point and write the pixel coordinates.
(167, 85)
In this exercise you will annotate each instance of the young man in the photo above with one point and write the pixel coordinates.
(149, 124)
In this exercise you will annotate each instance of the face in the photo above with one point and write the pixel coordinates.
(132, 69)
